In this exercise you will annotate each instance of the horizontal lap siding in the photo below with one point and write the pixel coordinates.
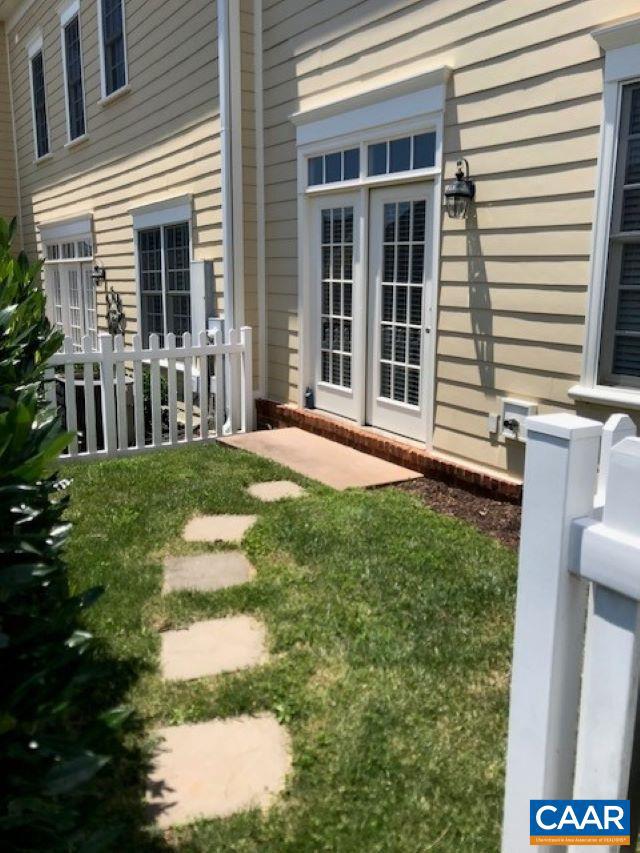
(524, 106)
(160, 141)
(8, 190)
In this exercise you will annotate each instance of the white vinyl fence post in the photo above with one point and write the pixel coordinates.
(610, 556)
(246, 361)
(559, 486)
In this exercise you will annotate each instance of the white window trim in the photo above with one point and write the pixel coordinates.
(107, 98)
(168, 212)
(67, 14)
(413, 105)
(34, 47)
(622, 65)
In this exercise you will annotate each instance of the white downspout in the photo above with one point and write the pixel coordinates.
(226, 168)
(261, 264)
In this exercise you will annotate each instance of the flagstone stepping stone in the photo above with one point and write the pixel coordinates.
(218, 528)
(215, 769)
(206, 572)
(212, 647)
(275, 490)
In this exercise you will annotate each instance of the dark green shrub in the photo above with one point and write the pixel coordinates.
(51, 747)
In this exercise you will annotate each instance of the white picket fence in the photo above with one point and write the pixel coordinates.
(576, 659)
(102, 393)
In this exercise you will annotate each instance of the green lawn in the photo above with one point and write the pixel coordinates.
(390, 630)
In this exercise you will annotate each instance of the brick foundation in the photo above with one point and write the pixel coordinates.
(276, 415)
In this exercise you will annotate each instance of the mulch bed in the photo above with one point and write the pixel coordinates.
(494, 516)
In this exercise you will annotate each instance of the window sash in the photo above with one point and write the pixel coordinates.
(164, 274)
(41, 125)
(73, 71)
(620, 346)
(113, 46)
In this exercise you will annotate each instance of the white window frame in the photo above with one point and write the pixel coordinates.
(67, 14)
(170, 212)
(621, 44)
(34, 47)
(406, 108)
(104, 97)
(69, 231)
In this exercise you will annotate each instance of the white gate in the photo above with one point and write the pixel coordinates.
(118, 401)
(576, 657)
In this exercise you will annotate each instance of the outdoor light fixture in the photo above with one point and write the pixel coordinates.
(459, 193)
(99, 274)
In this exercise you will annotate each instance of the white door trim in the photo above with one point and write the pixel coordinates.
(342, 135)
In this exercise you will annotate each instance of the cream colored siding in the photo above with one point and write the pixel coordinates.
(159, 141)
(524, 105)
(8, 189)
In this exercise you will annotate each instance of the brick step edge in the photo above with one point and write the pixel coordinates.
(272, 415)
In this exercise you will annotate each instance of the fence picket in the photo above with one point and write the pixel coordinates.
(246, 374)
(156, 399)
(50, 387)
(121, 367)
(121, 397)
(70, 397)
(188, 389)
(220, 399)
(615, 430)
(172, 391)
(204, 389)
(91, 436)
(138, 392)
(106, 394)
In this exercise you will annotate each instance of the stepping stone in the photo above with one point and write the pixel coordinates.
(206, 572)
(215, 769)
(212, 647)
(218, 528)
(275, 490)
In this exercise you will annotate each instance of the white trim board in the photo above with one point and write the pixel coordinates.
(166, 212)
(364, 111)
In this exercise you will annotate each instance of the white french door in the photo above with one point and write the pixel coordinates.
(400, 263)
(336, 292)
(72, 300)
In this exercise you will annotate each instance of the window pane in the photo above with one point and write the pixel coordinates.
(400, 155)
(177, 257)
(315, 171)
(630, 274)
(178, 315)
(626, 356)
(39, 105)
(629, 311)
(113, 45)
(68, 250)
(351, 164)
(634, 117)
(631, 210)
(424, 150)
(633, 162)
(378, 159)
(150, 260)
(75, 97)
(332, 168)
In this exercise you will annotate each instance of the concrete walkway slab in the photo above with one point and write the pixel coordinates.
(214, 769)
(320, 459)
(218, 528)
(275, 490)
(212, 647)
(206, 572)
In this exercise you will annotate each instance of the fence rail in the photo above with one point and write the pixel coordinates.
(119, 401)
(576, 658)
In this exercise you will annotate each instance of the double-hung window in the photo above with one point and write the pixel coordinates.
(113, 46)
(73, 74)
(38, 99)
(611, 365)
(164, 273)
(70, 289)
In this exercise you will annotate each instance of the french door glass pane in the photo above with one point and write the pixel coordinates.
(401, 309)
(75, 309)
(91, 314)
(336, 303)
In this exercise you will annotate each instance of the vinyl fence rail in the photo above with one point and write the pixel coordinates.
(576, 656)
(120, 401)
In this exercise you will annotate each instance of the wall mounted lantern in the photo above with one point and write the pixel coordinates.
(98, 274)
(459, 193)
